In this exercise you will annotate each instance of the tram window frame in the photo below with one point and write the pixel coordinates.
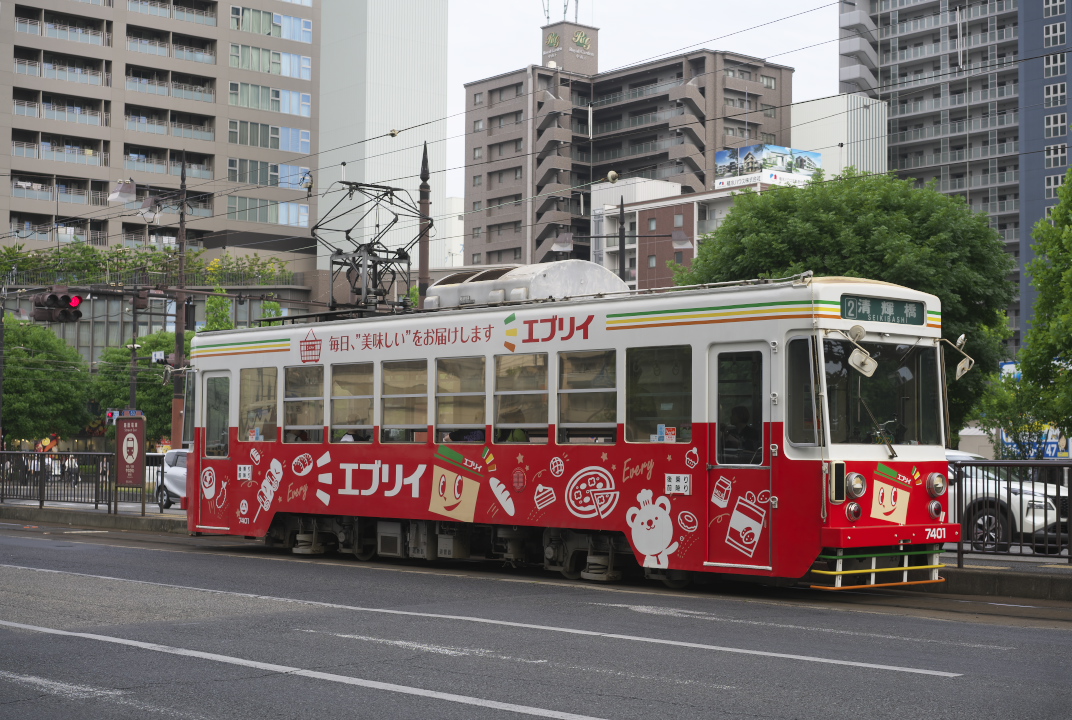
(412, 432)
(588, 432)
(265, 427)
(217, 407)
(736, 395)
(646, 398)
(471, 377)
(517, 419)
(802, 391)
(358, 433)
(297, 405)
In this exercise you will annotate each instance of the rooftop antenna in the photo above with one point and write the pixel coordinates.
(547, 11)
(565, 9)
(576, 10)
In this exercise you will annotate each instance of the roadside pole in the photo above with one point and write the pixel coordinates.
(178, 400)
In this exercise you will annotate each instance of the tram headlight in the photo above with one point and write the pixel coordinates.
(935, 509)
(853, 511)
(937, 484)
(855, 485)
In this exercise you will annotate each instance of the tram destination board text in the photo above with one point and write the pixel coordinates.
(902, 312)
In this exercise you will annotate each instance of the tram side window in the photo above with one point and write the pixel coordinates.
(803, 421)
(405, 401)
(587, 397)
(217, 416)
(740, 409)
(303, 404)
(460, 400)
(256, 404)
(521, 398)
(658, 394)
(351, 402)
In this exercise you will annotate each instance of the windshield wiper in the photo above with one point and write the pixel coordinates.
(879, 429)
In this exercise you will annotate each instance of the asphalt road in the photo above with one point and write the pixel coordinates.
(98, 624)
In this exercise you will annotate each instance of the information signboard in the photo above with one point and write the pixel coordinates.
(903, 312)
(130, 442)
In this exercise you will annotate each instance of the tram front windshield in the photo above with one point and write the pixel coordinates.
(900, 402)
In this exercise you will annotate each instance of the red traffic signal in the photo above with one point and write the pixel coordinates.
(57, 306)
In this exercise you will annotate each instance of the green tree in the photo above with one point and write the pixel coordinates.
(218, 312)
(1021, 408)
(271, 309)
(880, 228)
(414, 295)
(111, 383)
(46, 383)
(1046, 358)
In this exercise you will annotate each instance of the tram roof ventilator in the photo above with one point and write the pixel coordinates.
(545, 281)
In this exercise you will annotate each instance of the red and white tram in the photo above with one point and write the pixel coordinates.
(789, 429)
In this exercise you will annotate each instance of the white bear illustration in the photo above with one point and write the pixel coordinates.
(652, 529)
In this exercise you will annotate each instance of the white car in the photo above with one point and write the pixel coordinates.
(1004, 504)
(172, 487)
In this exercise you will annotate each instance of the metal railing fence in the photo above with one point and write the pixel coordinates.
(73, 477)
(1011, 507)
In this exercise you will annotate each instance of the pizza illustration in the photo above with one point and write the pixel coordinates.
(591, 492)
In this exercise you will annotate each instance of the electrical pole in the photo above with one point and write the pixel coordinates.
(425, 276)
(134, 351)
(3, 316)
(621, 239)
(178, 400)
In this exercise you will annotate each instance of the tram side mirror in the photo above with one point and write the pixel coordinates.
(856, 333)
(963, 366)
(863, 363)
(960, 342)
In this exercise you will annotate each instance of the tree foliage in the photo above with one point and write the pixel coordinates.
(111, 383)
(1046, 358)
(271, 309)
(46, 383)
(1020, 407)
(880, 228)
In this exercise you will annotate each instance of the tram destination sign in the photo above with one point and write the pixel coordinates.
(902, 312)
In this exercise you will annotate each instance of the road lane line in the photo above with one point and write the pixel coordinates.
(507, 623)
(70, 691)
(314, 674)
(699, 615)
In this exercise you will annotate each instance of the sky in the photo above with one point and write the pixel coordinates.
(488, 38)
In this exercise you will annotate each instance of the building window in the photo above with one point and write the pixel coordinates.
(478, 180)
(1053, 35)
(477, 205)
(476, 258)
(652, 223)
(517, 173)
(478, 98)
(679, 220)
(651, 261)
(767, 138)
(1057, 125)
(769, 110)
(476, 232)
(1056, 155)
(478, 125)
(767, 81)
(1052, 183)
(1049, 211)
(679, 257)
(1054, 65)
(1053, 8)
(519, 145)
(517, 253)
(478, 153)
(1055, 95)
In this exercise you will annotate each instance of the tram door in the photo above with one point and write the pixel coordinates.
(216, 421)
(739, 475)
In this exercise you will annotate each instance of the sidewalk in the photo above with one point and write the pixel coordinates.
(1039, 577)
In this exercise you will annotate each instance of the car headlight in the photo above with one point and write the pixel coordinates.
(855, 485)
(1039, 503)
(937, 484)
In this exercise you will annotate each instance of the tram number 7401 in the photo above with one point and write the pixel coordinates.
(937, 533)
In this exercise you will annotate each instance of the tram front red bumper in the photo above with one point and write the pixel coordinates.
(872, 535)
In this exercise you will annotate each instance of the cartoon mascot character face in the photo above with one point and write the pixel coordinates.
(653, 529)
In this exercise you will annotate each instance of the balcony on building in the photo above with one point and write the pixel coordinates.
(202, 13)
(76, 28)
(628, 122)
(78, 191)
(26, 186)
(195, 49)
(148, 41)
(60, 148)
(147, 80)
(193, 87)
(198, 165)
(194, 127)
(635, 90)
(146, 120)
(857, 77)
(74, 109)
(152, 8)
(59, 66)
(32, 226)
(145, 159)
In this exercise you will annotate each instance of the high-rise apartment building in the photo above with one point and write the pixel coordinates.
(539, 136)
(970, 97)
(102, 90)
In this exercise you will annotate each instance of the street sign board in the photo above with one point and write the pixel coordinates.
(130, 443)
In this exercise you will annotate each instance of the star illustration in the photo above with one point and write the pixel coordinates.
(526, 468)
(520, 458)
(669, 458)
(604, 457)
(613, 467)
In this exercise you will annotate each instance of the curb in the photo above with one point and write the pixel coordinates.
(82, 518)
(1039, 585)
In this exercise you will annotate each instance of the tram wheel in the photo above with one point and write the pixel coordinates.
(571, 569)
(365, 551)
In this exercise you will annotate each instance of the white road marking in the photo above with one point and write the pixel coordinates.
(697, 615)
(70, 691)
(482, 653)
(506, 623)
(83, 532)
(313, 674)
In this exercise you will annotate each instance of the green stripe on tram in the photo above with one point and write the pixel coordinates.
(245, 343)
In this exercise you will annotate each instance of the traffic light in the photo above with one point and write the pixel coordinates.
(111, 416)
(58, 305)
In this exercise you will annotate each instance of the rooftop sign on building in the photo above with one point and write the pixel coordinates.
(752, 159)
(571, 47)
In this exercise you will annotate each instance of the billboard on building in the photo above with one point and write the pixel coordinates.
(758, 158)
